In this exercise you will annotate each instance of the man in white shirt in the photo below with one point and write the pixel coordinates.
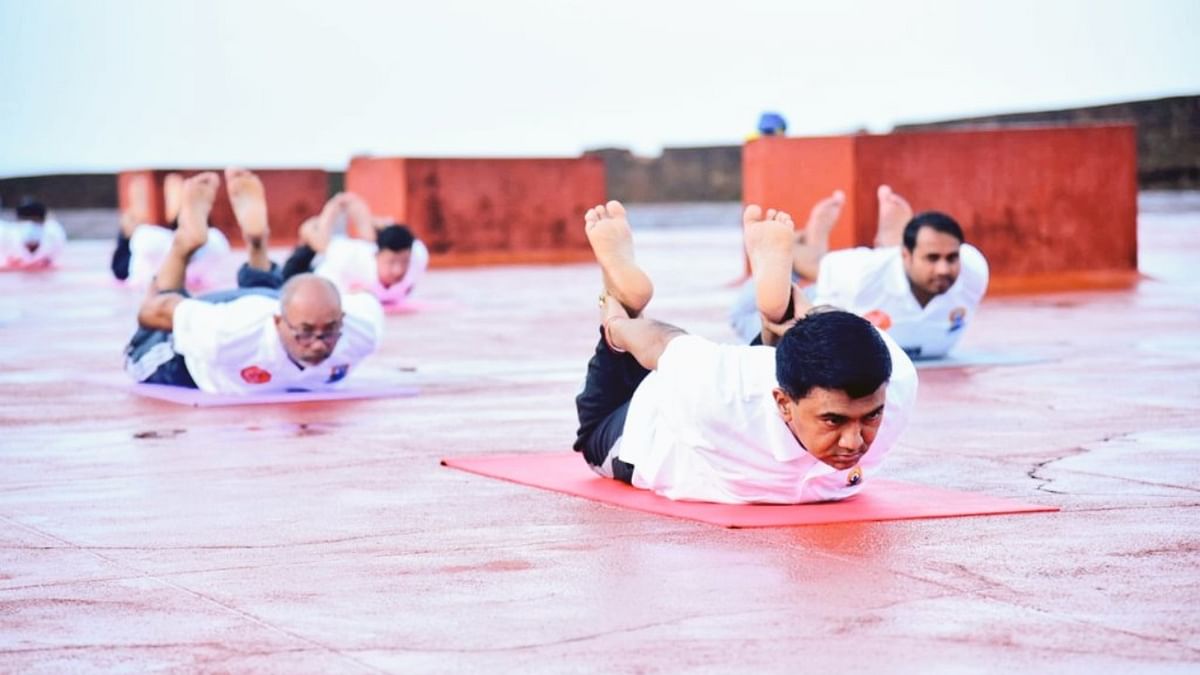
(380, 257)
(803, 418)
(920, 282)
(142, 246)
(253, 339)
(34, 241)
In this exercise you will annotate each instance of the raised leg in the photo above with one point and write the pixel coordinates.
(612, 241)
(894, 214)
(249, 202)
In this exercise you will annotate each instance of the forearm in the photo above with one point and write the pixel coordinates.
(158, 311)
(797, 309)
(172, 274)
(645, 339)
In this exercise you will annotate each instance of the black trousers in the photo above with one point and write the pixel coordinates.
(612, 377)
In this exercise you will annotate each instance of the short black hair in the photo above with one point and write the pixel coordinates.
(395, 238)
(31, 209)
(834, 350)
(935, 219)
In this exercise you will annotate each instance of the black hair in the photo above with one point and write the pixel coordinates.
(935, 219)
(395, 238)
(31, 209)
(833, 350)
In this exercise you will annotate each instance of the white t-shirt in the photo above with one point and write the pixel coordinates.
(864, 280)
(350, 263)
(704, 426)
(234, 347)
(15, 238)
(149, 245)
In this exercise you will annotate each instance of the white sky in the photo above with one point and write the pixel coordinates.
(91, 85)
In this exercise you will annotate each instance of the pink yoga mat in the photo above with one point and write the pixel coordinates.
(199, 399)
(415, 306)
(881, 499)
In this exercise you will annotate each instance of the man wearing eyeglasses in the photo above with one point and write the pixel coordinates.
(304, 336)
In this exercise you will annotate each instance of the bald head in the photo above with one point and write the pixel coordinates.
(309, 291)
(310, 317)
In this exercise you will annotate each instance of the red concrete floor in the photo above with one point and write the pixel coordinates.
(137, 535)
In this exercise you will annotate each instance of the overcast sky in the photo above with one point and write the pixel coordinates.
(99, 85)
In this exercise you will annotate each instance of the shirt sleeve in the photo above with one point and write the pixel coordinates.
(898, 406)
(840, 277)
(974, 273)
(363, 326)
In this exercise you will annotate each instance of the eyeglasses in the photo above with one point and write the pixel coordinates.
(308, 335)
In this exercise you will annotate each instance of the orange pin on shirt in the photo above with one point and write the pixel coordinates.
(879, 319)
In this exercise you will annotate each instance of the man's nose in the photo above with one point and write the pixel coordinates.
(851, 438)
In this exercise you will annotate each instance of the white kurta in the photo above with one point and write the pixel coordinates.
(350, 264)
(704, 426)
(149, 245)
(234, 347)
(865, 280)
(17, 238)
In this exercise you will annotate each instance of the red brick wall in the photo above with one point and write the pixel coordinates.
(474, 211)
(1050, 208)
(292, 196)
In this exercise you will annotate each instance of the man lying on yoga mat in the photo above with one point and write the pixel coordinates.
(34, 241)
(921, 282)
(258, 337)
(805, 417)
(379, 256)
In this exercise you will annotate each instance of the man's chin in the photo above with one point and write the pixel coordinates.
(316, 361)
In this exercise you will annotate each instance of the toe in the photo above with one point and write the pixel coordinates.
(752, 214)
(615, 209)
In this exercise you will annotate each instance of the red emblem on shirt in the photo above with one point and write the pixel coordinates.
(255, 375)
(879, 319)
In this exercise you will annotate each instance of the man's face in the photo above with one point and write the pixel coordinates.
(834, 428)
(392, 265)
(309, 334)
(933, 265)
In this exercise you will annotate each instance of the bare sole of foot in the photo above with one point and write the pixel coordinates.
(249, 202)
(612, 241)
(196, 199)
(894, 214)
(823, 218)
(172, 194)
(139, 201)
(768, 239)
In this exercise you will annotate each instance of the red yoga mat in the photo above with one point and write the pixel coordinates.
(880, 499)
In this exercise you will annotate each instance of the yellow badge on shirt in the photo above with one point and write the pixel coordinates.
(855, 476)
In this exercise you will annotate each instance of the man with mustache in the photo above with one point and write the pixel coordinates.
(253, 339)
(806, 416)
(921, 282)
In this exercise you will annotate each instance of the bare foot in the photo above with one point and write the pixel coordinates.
(172, 194)
(249, 203)
(769, 247)
(312, 235)
(611, 310)
(894, 214)
(196, 199)
(359, 216)
(822, 218)
(612, 241)
(138, 211)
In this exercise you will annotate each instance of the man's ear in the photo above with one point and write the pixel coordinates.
(782, 401)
